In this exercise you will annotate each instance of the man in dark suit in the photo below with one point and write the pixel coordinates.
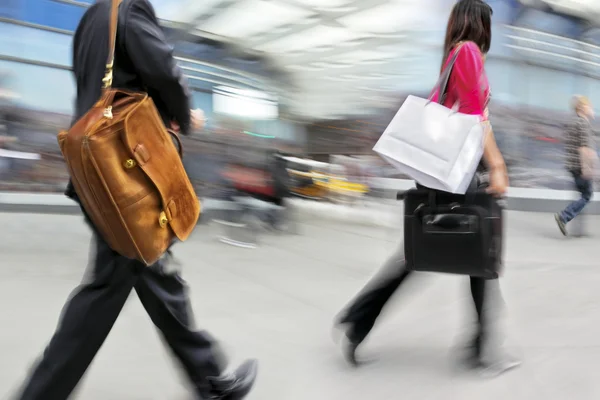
(143, 62)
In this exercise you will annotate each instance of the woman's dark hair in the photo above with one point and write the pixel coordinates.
(470, 20)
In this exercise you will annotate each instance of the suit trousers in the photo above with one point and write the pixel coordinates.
(364, 310)
(92, 310)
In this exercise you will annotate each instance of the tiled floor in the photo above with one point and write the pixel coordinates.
(277, 302)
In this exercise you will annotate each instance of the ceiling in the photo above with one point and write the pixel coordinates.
(346, 57)
(343, 56)
(585, 9)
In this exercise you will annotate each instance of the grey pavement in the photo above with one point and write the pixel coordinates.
(277, 303)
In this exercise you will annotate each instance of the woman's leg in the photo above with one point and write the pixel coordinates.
(486, 351)
(360, 315)
(478, 292)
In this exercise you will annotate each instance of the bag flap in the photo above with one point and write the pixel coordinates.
(153, 149)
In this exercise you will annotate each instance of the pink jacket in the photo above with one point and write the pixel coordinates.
(468, 85)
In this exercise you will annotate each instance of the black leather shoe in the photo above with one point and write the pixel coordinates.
(236, 385)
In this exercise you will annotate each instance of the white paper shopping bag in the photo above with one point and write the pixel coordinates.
(434, 145)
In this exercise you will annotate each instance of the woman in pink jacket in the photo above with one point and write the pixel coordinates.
(469, 34)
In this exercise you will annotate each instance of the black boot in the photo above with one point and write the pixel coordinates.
(235, 385)
(489, 360)
(472, 353)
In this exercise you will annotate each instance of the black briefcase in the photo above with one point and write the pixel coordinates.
(455, 234)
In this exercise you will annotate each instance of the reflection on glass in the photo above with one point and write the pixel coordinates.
(35, 44)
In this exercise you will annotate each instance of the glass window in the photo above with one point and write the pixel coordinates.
(419, 74)
(35, 44)
(10, 9)
(203, 101)
(213, 73)
(548, 88)
(515, 83)
(51, 13)
(583, 85)
(505, 11)
(41, 88)
(589, 87)
(505, 81)
(556, 24)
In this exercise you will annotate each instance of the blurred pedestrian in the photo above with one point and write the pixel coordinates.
(143, 62)
(7, 107)
(581, 160)
(469, 34)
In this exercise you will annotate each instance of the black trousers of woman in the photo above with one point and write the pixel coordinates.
(360, 315)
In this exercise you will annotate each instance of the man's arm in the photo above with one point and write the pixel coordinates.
(583, 132)
(587, 155)
(153, 59)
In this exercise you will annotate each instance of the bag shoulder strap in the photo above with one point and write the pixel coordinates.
(442, 82)
(112, 40)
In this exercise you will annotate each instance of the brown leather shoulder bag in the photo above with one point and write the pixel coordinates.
(127, 171)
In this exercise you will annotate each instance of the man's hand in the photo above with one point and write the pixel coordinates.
(198, 119)
(588, 160)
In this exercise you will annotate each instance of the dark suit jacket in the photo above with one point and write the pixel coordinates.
(143, 62)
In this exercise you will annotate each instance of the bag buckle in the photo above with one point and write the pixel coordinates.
(163, 220)
(108, 112)
(108, 76)
(130, 163)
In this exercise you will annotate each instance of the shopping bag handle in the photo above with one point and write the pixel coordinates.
(442, 83)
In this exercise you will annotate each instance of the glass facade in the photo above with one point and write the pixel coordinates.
(35, 60)
(537, 62)
(35, 52)
(537, 58)
(35, 44)
(37, 63)
(54, 14)
(40, 88)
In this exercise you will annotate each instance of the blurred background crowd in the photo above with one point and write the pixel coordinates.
(311, 83)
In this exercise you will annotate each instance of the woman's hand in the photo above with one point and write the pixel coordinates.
(495, 163)
(498, 181)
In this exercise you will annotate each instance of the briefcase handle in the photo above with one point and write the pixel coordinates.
(472, 191)
(469, 196)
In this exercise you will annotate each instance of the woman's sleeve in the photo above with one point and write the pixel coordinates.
(467, 77)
